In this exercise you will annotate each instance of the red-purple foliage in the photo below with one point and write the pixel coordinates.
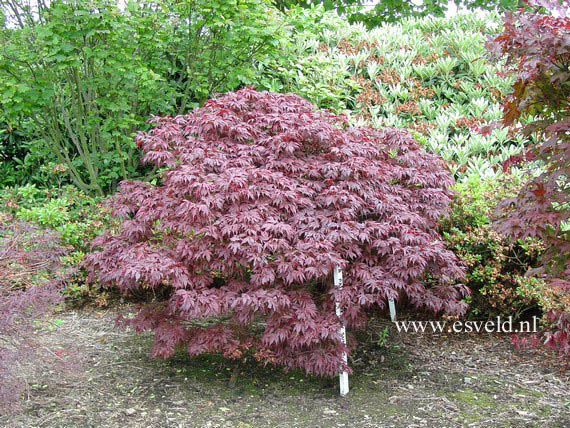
(537, 46)
(27, 255)
(263, 197)
(518, 159)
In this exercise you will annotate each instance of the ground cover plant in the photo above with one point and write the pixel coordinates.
(263, 197)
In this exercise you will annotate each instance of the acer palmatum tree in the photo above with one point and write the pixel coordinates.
(263, 196)
(30, 275)
(537, 47)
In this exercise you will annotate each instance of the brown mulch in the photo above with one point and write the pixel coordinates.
(400, 380)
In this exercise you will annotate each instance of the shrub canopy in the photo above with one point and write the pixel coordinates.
(262, 197)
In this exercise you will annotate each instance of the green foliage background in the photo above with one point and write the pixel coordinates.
(394, 10)
(78, 82)
(78, 79)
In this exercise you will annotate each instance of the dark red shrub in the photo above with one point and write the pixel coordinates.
(30, 271)
(537, 46)
(262, 198)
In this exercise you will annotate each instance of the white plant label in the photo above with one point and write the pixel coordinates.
(392, 307)
(343, 375)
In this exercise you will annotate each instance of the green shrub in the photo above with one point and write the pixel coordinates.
(75, 216)
(22, 160)
(548, 298)
(495, 264)
(306, 68)
(429, 75)
(80, 78)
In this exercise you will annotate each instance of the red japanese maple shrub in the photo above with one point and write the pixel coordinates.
(537, 46)
(30, 277)
(262, 198)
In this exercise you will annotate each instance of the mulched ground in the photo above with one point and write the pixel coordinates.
(401, 380)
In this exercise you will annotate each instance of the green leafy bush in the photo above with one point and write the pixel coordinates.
(495, 264)
(305, 68)
(89, 74)
(429, 75)
(74, 216)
